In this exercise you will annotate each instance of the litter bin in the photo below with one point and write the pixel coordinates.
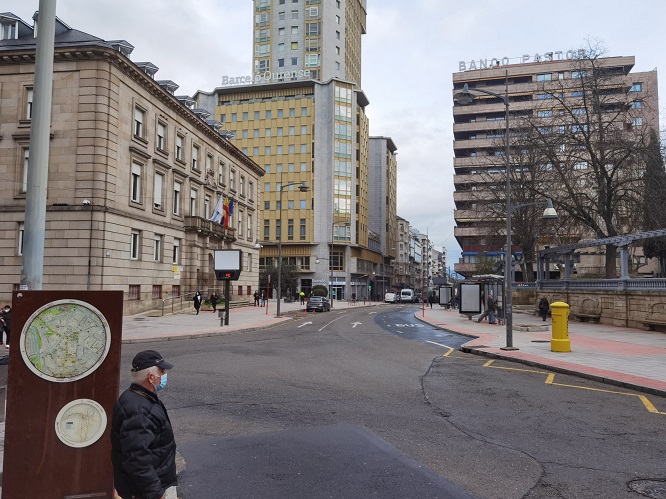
(222, 313)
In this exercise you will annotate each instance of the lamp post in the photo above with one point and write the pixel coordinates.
(465, 98)
(303, 188)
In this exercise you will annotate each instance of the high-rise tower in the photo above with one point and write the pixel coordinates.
(323, 37)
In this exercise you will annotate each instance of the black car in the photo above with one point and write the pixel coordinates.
(318, 304)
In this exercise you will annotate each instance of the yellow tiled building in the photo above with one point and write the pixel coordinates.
(316, 133)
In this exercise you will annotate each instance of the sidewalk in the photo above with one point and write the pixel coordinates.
(625, 357)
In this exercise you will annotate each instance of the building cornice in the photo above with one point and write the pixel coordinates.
(101, 52)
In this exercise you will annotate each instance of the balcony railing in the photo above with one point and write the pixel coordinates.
(204, 226)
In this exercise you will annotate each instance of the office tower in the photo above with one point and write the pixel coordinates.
(322, 37)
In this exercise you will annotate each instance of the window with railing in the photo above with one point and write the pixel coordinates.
(134, 291)
(157, 291)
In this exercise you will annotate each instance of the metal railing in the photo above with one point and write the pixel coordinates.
(593, 284)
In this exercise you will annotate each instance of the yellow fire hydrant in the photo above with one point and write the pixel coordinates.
(560, 337)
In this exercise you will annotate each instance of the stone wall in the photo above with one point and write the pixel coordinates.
(616, 308)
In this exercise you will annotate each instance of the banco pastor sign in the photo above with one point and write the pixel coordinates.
(495, 62)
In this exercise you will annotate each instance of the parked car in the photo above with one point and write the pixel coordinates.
(318, 304)
(390, 298)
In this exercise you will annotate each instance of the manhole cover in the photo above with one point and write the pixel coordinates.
(656, 489)
(540, 341)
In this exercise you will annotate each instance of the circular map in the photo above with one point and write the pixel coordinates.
(80, 423)
(65, 340)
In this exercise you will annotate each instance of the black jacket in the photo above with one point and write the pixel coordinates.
(6, 320)
(143, 449)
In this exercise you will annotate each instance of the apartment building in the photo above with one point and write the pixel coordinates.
(382, 190)
(135, 173)
(320, 37)
(479, 129)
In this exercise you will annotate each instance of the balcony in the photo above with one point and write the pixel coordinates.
(206, 227)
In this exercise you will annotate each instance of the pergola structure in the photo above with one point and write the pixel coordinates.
(544, 256)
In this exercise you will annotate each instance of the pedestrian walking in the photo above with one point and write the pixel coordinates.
(197, 301)
(214, 299)
(543, 307)
(431, 299)
(6, 323)
(143, 447)
(491, 308)
(353, 299)
(301, 295)
(256, 298)
(263, 298)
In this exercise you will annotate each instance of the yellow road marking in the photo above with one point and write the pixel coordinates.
(646, 402)
(550, 380)
(488, 364)
(451, 350)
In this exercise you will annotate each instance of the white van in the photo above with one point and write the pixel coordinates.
(407, 296)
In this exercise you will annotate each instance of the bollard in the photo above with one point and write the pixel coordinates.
(560, 336)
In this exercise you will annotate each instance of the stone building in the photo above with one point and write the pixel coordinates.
(135, 173)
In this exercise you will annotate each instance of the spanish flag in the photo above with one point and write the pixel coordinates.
(228, 211)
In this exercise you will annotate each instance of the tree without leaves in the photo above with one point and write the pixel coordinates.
(529, 229)
(587, 158)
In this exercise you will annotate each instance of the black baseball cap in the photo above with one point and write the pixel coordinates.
(149, 358)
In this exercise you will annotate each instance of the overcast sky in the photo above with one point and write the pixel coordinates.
(410, 51)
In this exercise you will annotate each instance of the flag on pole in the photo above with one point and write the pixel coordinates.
(218, 213)
(229, 210)
(225, 209)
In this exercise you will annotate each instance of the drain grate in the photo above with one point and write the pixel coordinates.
(655, 489)
(540, 341)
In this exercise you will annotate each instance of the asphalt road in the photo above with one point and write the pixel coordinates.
(359, 404)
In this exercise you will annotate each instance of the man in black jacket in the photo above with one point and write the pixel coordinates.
(143, 448)
(6, 323)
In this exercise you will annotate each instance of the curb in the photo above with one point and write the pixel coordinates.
(541, 365)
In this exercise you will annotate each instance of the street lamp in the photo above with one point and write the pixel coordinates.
(465, 98)
(303, 188)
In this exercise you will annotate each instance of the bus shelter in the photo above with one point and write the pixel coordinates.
(474, 294)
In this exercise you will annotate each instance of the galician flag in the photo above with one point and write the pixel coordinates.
(218, 214)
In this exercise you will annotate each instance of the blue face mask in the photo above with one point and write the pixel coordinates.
(163, 383)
